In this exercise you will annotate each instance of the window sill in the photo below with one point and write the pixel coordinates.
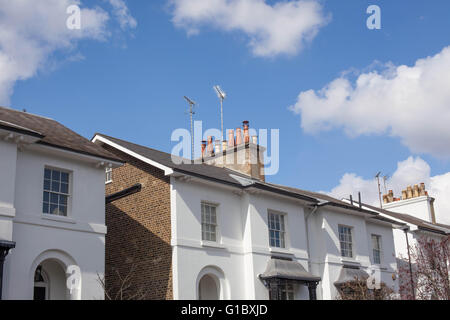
(281, 251)
(379, 266)
(350, 261)
(108, 182)
(58, 218)
(211, 244)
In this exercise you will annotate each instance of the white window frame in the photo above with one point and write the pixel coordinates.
(380, 249)
(282, 230)
(349, 245)
(108, 171)
(288, 287)
(50, 192)
(210, 222)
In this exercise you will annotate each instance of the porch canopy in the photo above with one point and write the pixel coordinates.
(279, 269)
(350, 274)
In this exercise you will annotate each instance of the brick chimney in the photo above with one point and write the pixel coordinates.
(240, 153)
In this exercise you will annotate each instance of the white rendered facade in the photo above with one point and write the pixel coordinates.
(242, 249)
(48, 241)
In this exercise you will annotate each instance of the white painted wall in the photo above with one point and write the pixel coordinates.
(418, 207)
(243, 251)
(78, 239)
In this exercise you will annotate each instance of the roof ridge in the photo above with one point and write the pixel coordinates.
(26, 112)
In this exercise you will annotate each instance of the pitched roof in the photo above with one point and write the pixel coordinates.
(422, 224)
(51, 133)
(228, 176)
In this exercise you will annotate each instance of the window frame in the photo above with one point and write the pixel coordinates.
(342, 248)
(380, 249)
(216, 224)
(110, 171)
(288, 287)
(283, 238)
(59, 193)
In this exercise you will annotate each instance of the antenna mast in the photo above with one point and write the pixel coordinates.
(377, 176)
(191, 114)
(222, 95)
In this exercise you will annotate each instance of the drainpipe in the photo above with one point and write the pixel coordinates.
(5, 246)
(307, 235)
(410, 265)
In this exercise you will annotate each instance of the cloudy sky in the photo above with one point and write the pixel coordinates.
(348, 101)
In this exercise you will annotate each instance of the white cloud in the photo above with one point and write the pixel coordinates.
(409, 172)
(281, 28)
(409, 102)
(123, 15)
(31, 31)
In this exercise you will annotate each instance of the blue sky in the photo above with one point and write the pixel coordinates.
(132, 84)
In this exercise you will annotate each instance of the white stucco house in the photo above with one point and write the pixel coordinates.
(227, 233)
(415, 209)
(52, 210)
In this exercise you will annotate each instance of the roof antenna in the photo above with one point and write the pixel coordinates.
(359, 200)
(222, 95)
(377, 176)
(385, 178)
(191, 114)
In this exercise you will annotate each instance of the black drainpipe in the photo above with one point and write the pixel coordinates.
(410, 265)
(5, 246)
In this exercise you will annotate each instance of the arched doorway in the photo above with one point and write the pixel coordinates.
(211, 284)
(50, 281)
(209, 288)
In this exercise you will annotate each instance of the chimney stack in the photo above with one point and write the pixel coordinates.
(240, 153)
(422, 189)
(224, 145)
(238, 136)
(217, 147)
(231, 138)
(416, 191)
(246, 133)
(409, 192)
(203, 148)
(210, 146)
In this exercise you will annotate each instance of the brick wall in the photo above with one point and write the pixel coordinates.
(139, 230)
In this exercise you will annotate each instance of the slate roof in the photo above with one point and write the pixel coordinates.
(51, 133)
(231, 177)
(422, 224)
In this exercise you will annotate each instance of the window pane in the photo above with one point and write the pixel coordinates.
(56, 175)
(63, 200)
(63, 210)
(54, 198)
(55, 186)
(64, 177)
(45, 208)
(46, 184)
(46, 196)
(64, 188)
(47, 174)
(53, 209)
